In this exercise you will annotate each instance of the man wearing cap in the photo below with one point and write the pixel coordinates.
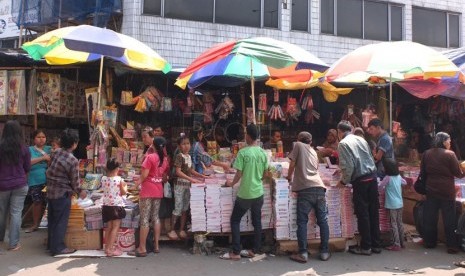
(307, 185)
(358, 168)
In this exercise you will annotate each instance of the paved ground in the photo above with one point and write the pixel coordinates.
(176, 260)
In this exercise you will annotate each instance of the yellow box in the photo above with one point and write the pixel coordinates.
(84, 239)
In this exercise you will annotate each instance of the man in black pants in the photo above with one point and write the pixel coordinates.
(358, 168)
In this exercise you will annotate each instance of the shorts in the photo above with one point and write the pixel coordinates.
(110, 213)
(36, 194)
(182, 197)
(149, 208)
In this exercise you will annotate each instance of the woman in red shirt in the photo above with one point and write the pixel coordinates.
(154, 170)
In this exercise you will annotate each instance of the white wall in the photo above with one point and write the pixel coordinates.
(180, 41)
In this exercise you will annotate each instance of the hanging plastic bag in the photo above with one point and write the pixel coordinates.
(167, 192)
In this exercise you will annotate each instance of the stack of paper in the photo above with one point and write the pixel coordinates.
(333, 200)
(93, 217)
(292, 218)
(227, 204)
(281, 208)
(197, 204)
(213, 206)
(267, 209)
(348, 223)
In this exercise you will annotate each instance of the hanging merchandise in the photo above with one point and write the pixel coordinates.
(311, 114)
(67, 97)
(208, 102)
(367, 114)
(349, 115)
(276, 112)
(225, 108)
(262, 102)
(292, 111)
(167, 105)
(126, 98)
(48, 93)
(275, 95)
(3, 91)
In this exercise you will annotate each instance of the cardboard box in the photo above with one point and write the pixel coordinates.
(82, 239)
(125, 239)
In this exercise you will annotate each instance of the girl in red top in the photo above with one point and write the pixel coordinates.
(154, 170)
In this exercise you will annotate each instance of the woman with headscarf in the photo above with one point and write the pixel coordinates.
(200, 157)
(441, 167)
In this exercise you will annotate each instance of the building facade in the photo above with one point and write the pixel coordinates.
(181, 29)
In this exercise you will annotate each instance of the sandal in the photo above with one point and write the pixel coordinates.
(15, 248)
(30, 230)
(230, 256)
(137, 253)
(182, 234)
(298, 258)
(172, 236)
(65, 251)
(156, 251)
(247, 253)
(460, 264)
(115, 253)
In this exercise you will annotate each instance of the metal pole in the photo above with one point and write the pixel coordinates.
(21, 23)
(252, 85)
(99, 91)
(390, 104)
(59, 14)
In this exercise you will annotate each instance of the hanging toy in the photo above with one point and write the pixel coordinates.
(292, 111)
(208, 102)
(262, 102)
(225, 108)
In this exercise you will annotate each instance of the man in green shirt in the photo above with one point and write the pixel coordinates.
(251, 164)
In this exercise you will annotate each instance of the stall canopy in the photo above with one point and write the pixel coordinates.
(451, 87)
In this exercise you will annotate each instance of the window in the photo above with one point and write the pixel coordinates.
(362, 19)
(435, 28)
(396, 23)
(454, 30)
(238, 12)
(252, 13)
(327, 16)
(152, 7)
(376, 21)
(270, 16)
(198, 10)
(349, 18)
(300, 15)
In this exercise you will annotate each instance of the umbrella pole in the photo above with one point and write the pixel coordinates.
(390, 104)
(99, 91)
(252, 86)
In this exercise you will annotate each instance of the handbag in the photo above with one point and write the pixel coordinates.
(420, 184)
(167, 192)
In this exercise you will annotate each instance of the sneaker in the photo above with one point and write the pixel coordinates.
(359, 251)
(393, 248)
(376, 250)
(325, 256)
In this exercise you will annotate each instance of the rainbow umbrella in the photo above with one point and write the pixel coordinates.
(392, 61)
(85, 43)
(289, 78)
(238, 61)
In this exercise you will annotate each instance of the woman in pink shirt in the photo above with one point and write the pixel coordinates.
(154, 170)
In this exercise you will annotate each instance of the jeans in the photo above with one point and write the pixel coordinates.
(58, 215)
(308, 199)
(430, 221)
(241, 206)
(12, 202)
(366, 207)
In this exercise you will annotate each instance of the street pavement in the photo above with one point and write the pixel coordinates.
(175, 259)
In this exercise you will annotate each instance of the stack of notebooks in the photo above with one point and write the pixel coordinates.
(93, 215)
(227, 205)
(267, 209)
(213, 206)
(281, 208)
(197, 204)
(76, 219)
(348, 220)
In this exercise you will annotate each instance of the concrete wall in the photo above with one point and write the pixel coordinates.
(180, 41)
